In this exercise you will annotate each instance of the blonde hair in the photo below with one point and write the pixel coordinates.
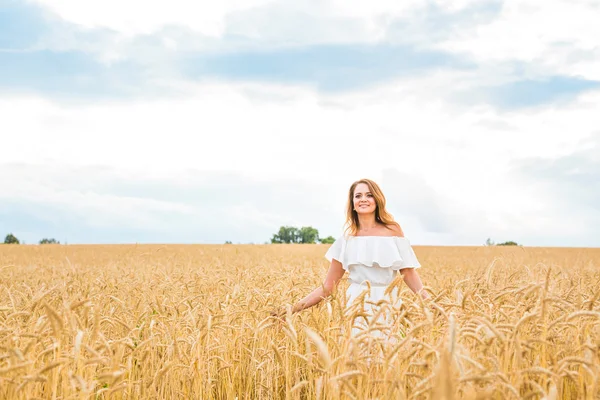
(381, 214)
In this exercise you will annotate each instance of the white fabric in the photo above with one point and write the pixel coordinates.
(374, 261)
(391, 252)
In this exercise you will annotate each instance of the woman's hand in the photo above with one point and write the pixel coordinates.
(334, 274)
(424, 294)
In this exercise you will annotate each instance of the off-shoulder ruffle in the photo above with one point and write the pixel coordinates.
(374, 251)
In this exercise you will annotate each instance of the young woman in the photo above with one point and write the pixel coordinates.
(373, 250)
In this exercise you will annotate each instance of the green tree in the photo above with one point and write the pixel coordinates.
(308, 234)
(290, 234)
(327, 240)
(11, 239)
(509, 243)
(49, 241)
(286, 234)
(489, 242)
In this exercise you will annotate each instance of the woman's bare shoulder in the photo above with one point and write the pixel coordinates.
(396, 229)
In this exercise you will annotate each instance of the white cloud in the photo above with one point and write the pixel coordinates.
(272, 133)
(208, 18)
(448, 167)
(107, 204)
(267, 22)
(138, 17)
(55, 189)
(552, 37)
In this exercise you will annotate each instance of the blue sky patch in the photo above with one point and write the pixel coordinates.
(531, 93)
(328, 67)
(21, 25)
(67, 74)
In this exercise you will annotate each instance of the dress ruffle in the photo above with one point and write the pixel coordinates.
(373, 251)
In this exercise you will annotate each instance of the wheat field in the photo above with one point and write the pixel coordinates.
(193, 322)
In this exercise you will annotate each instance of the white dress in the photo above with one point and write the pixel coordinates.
(374, 261)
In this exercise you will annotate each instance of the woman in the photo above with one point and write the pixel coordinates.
(372, 250)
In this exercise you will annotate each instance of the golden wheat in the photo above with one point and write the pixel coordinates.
(157, 322)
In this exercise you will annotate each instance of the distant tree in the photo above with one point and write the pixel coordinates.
(509, 243)
(49, 241)
(308, 234)
(327, 240)
(489, 242)
(286, 234)
(228, 242)
(11, 239)
(290, 234)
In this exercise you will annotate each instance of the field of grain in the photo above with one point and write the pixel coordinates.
(161, 322)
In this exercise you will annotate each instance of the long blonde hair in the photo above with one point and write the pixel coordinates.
(381, 214)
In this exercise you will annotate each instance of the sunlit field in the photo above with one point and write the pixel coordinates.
(162, 322)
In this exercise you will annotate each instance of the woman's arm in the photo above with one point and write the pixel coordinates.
(410, 275)
(413, 281)
(334, 274)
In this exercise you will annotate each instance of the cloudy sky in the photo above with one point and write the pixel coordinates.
(127, 121)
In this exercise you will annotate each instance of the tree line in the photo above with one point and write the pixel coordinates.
(286, 234)
(305, 234)
(490, 242)
(12, 239)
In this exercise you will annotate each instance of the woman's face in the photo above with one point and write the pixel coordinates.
(364, 202)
